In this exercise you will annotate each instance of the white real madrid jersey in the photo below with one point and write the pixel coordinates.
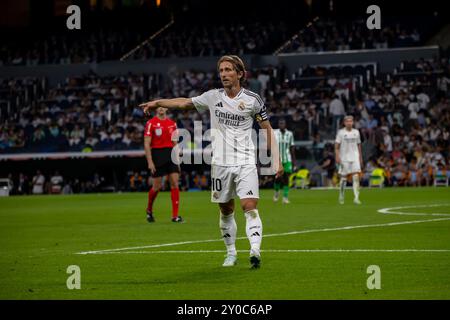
(231, 124)
(348, 141)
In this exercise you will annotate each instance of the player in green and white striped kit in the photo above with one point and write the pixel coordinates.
(285, 140)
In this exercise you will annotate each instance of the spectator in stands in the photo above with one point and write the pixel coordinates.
(414, 174)
(38, 135)
(76, 135)
(337, 111)
(253, 83)
(91, 140)
(387, 141)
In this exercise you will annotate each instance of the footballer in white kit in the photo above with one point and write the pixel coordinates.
(233, 170)
(233, 110)
(348, 157)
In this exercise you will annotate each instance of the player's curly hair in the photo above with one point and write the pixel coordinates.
(237, 63)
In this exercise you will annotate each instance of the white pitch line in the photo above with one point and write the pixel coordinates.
(268, 235)
(287, 251)
(393, 210)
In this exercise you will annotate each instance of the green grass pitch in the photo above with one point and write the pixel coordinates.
(40, 236)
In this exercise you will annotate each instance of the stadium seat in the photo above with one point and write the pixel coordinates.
(376, 179)
(440, 180)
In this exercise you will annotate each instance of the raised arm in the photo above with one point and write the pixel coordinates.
(176, 103)
(265, 125)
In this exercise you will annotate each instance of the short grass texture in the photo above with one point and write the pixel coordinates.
(308, 255)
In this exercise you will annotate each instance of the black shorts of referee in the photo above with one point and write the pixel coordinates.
(162, 158)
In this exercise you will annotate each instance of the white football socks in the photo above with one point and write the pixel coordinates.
(228, 228)
(342, 185)
(254, 231)
(356, 186)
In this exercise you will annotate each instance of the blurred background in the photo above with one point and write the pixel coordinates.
(68, 105)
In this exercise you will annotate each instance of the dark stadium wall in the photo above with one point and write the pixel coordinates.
(14, 13)
(387, 59)
(70, 168)
(113, 170)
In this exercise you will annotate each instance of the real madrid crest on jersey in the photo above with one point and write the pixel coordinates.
(241, 106)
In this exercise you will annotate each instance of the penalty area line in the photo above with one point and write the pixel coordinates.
(265, 236)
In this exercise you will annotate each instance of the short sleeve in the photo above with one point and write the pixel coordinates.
(260, 110)
(203, 101)
(148, 129)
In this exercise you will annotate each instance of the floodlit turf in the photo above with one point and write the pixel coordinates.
(40, 237)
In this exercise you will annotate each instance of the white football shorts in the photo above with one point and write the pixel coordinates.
(227, 182)
(347, 167)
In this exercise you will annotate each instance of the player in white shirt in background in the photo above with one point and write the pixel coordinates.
(348, 157)
(56, 183)
(38, 183)
(233, 110)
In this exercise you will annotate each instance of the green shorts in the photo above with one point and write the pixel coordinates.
(287, 167)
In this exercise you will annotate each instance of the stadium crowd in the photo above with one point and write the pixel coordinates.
(330, 35)
(83, 114)
(193, 40)
(403, 116)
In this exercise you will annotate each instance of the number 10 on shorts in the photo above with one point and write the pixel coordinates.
(216, 184)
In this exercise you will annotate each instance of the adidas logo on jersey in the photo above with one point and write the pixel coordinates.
(219, 105)
(255, 234)
(250, 193)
